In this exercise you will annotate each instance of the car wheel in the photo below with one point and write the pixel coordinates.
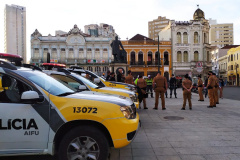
(84, 143)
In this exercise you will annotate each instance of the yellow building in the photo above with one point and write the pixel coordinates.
(233, 66)
(142, 56)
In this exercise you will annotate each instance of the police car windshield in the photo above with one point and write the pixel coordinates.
(85, 81)
(48, 83)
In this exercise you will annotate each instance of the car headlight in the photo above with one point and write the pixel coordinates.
(127, 112)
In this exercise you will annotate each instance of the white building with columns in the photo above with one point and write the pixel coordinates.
(73, 48)
(190, 46)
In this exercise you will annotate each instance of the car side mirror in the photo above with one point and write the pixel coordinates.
(31, 97)
(82, 87)
(97, 80)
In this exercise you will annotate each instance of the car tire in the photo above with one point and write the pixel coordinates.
(84, 142)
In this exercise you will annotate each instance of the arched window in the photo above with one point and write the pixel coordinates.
(185, 56)
(166, 60)
(149, 60)
(97, 69)
(185, 38)
(179, 56)
(196, 56)
(90, 68)
(140, 58)
(196, 37)
(179, 37)
(132, 57)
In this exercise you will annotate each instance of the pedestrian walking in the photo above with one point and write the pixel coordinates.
(166, 93)
(210, 86)
(112, 77)
(129, 78)
(205, 86)
(221, 86)
(160, 86)
(173, 86)
(187, 87)
(149, 81)
(200, 88)
(142, 85)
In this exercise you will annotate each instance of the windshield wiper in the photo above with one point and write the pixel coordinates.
(66, 93)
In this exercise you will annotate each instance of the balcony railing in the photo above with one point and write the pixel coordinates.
(153, 63)
(137, 63)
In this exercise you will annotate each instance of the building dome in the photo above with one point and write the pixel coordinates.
(198, 14)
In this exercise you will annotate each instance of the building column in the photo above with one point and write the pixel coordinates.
(109, 55)
(93, 52)
(66, 50)
(41, 54)
(58, 53)
(32, 52)
(101, 52)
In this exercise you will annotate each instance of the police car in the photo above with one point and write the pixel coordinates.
(40, 115)
(102, 82)
(78, 81)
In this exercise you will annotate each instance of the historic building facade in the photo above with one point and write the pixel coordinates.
(233, 73)
(73, 48)
(142, 56)
(190, 46)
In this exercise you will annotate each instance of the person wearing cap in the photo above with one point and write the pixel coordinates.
(112, 77)
(142, 85)
(173, 86)
(200, 88)
(149, 81)
(187, 87)
(129, 78)
(160, 86)
(210, 86)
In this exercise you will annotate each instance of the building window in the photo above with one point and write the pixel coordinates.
(89, 49)
(185, 38)
(80, 49)
(36, 49)
(179, 56)
(105, 69)
(97, 49)
(70, 49)
(208, 56)
(97, 69)
(166, 60)
(231, 57)
(132, 56)
(196, 56)
(185, 56)
(179, 37)
(90, 68)
(62, 49)
(140, 57)
(105, 49)
(196, 37)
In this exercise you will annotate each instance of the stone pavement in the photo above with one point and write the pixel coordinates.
(203, 134)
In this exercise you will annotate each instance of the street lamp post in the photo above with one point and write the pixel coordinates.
(158, 56)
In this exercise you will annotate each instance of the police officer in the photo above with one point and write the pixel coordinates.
(187, 87)
(112, 77)
(141, 83)
(149, 81)
(173, 86)
(210, 85)
(129, 78)
(160, 85)
(200, 88)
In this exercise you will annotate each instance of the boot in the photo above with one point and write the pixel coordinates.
(175, 96)
(152, 95)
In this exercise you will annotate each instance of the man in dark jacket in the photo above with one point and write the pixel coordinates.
(173, 86)
(120, 76)
(112, 77)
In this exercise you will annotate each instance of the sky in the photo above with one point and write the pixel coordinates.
(128, 17)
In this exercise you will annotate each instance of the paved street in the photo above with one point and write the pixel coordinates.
(231, 92)
(203, 134)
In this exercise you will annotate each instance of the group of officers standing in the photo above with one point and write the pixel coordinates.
(160, 85)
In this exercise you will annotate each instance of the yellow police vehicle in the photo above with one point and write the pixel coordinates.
(78, 81)
(40, 115)
(102, 82)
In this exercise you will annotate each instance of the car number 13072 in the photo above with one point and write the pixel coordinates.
(84, 110)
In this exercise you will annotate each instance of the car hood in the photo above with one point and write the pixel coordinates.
(118, 90)
(101, 97)
(129, 85)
